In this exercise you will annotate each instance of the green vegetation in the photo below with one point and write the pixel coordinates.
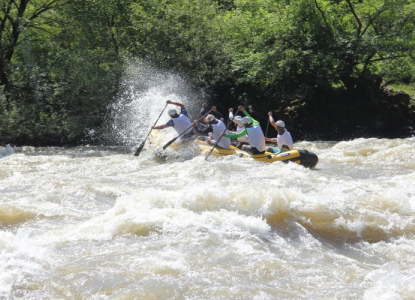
(406, 88)
(61, 61)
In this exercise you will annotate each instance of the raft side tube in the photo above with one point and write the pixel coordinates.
(284, 157)
(302, 157)
(308, 159)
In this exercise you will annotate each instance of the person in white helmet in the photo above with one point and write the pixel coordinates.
(214, 112)
(284, 140)
(237, 120)
(216, 127)
(254, 134)
(180, 122)
(202, 126)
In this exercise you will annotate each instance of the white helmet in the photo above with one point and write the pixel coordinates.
(210, 118)
(280, 124)
(172, 112)
(246, 121)
(238, 121)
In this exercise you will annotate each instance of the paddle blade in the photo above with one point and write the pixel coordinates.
(210, 151)
(137, 152)
(169, 143)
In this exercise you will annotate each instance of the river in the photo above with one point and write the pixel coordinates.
(97, 222)
(100, 223)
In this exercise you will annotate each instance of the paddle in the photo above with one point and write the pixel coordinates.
(172, 141)
(220, 136)
(266, 132)
(137, 152)
(229, 119)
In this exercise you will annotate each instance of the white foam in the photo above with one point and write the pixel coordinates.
(20, 256)
(6, 151)
(387, 282)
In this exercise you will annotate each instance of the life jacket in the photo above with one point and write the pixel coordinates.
(218, 128)
(239, 127)
(181, 123)
(242, 138)
(256, 137)
(285, 140)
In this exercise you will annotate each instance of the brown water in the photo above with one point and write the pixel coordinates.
(100, 223)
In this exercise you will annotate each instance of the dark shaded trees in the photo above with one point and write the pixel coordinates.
(61, 61)
(319, 57)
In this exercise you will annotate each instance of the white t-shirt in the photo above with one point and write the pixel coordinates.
(218, 128)
(285, 139)
(239, 127)
(256, 137)
(181, 123)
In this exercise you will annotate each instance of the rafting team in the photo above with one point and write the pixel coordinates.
(248, 134)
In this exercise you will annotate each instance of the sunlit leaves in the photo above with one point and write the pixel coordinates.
(320, 39)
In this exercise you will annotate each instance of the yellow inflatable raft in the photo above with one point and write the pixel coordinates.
(302, 157)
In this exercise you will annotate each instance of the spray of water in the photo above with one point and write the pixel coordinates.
(142, 96)
(6, 151)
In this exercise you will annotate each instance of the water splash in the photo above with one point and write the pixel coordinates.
(142, 96)
(6, 151)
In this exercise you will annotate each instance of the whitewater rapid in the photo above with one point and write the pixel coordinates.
(98, 222)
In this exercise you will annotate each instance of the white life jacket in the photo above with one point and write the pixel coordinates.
(239, 128)
(256, 137)
(243, 138)
(285, 139)
(181, 123)
(218, 128)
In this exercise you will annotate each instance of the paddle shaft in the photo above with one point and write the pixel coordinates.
(172, 141)
(137, 152)
(266, 132)
(220, 136)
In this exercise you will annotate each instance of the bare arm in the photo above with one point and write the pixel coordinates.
(217, 114)
(181, 105)
(271, 120)
(272, 140)
(160, 126)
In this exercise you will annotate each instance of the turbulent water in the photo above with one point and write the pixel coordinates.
(101, 223)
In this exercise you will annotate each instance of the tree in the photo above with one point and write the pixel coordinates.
(64, 70)
(317, 41)
(18, 19)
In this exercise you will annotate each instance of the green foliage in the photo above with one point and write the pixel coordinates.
(406, 88)
(61, 80)
(61, 61)
(181, 36)
(317, 41)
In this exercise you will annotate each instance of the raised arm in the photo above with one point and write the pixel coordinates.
(231, 113)
(217, 114)
(248, 115)
(181, 105)
(271, 120)
(203, 109)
